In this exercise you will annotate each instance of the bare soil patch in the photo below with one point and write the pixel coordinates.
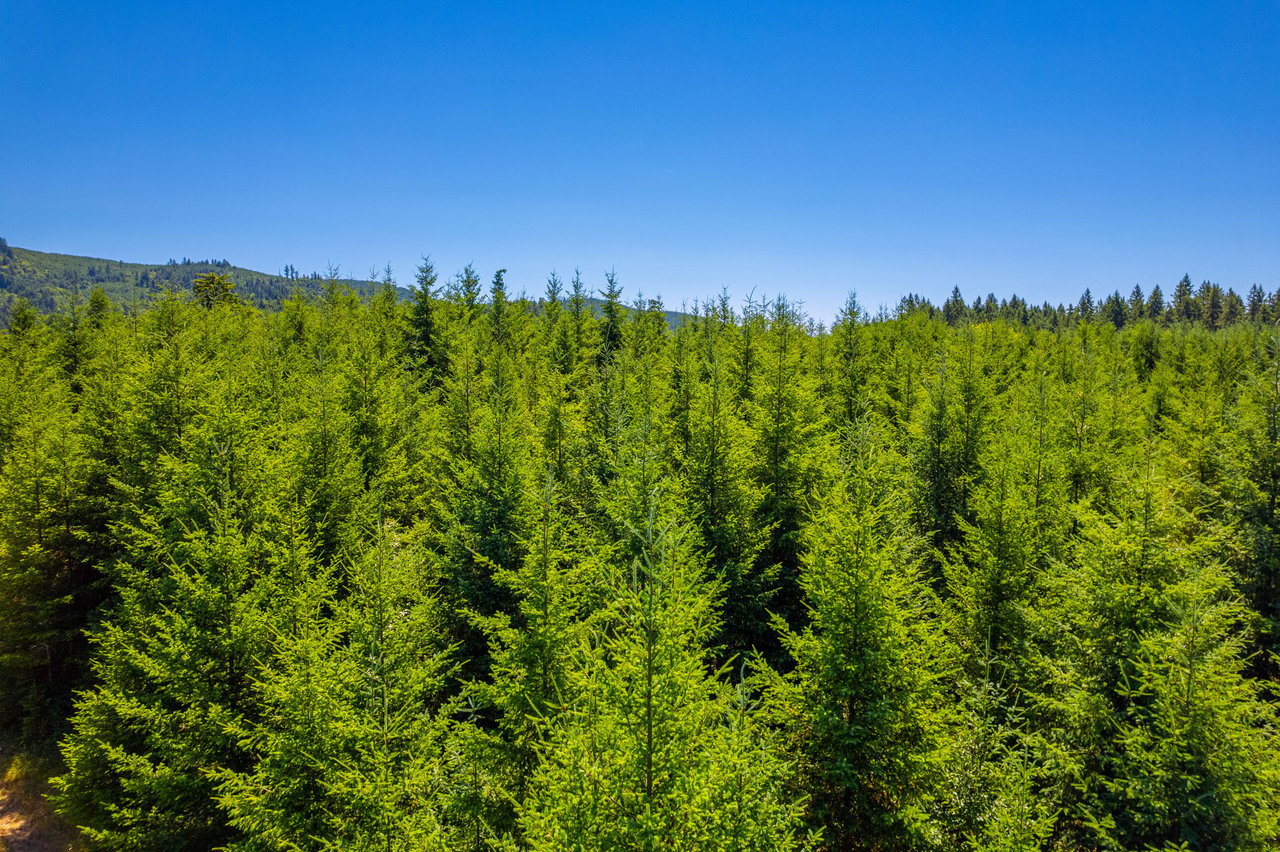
(27, 822)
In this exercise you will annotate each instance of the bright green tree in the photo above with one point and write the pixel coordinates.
(860, 706)
(349, 749)
(174, 670)
(213, 288)
(654, 752)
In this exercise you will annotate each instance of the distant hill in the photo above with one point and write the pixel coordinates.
(45, 279)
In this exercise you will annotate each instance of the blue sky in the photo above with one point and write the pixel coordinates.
(806, 149)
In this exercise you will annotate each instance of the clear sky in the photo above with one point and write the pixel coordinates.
(801, 148)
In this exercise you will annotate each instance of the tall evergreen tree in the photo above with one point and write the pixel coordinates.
(850, 364)
(1155, 304)
(488, 492)
(46, 578)
(428, 348)
(1184, 305)
(176, 662)
(213, 288)
(558, 590)
(611, 318)
(349, 752)
(655, 752)
(947, 451)
(1137, 304)
(788, 424)
(724, 500)
(859, 707)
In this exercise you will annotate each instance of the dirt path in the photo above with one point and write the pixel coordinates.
(27, 823)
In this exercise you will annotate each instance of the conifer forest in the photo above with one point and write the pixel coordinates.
(472, 571)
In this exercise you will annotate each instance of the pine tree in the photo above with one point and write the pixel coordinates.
(1260, 416)
(1085, 307)
(1155, 304)
(948, 447)
(723, 499)
(995, 581)
(611, 315)
(1184, 305)
(488, 493)
(73, 338)
(583, 322)
(371, 387)
(463, 294)
(557, 590)
(1209, 304)
(954, 310)
(1196, 759)
(850, 364)
(750, 333)
(1137, 304)
(635, 444)
(1256, 302)
(1086, 456)
(1115, 594)
(99, 307)
(558, 376)
(22, 317)
(46, 580)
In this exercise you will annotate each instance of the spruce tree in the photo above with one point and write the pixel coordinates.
(860, 707)
(174, 670)
(724, 500)
(558, 590)
(349, 751)
(1195, 761)
(487, 495)
(213, 288)
(790, 459)
(851, 369)
(655, 752)
(427, 347)
(47, 578)
(948, 446)
(611, 316)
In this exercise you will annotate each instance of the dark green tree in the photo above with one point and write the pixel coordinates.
(1155, 304)
(851, 367)
(1184, 304)
(611, 317)
(427, 347)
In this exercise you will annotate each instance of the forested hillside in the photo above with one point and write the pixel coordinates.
(47, 280)
(475, 572)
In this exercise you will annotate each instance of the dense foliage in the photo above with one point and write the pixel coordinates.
(45, 279)
(478, 572)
